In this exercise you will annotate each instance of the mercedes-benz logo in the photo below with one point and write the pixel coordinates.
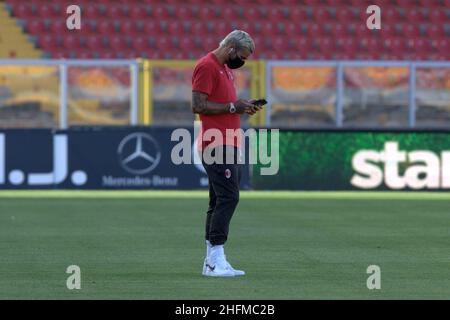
(139, 153)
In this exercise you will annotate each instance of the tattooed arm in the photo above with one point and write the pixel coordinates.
(201, 105)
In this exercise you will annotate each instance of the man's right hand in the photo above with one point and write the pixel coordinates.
(244, 106)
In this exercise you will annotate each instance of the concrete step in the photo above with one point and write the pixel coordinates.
(14, 43)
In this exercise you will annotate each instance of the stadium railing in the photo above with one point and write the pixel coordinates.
(318, 94)
(70, 92)
(357, 94)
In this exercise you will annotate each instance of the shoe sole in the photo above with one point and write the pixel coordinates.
(219, 275)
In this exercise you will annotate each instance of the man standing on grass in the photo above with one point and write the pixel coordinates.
(214, 99)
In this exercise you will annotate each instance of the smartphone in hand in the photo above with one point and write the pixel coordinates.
(260, 102)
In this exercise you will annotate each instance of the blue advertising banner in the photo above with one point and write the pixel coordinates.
(97, 158)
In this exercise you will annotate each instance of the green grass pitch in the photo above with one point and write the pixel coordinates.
(293, 245)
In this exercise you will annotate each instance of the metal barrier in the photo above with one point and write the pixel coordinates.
(323, 96)
(110, 92)
(329, 94)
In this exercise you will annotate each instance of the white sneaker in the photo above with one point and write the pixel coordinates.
(217, 271)
(237, 273)
(216, 265)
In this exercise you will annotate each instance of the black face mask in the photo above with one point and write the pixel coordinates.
(235, 63)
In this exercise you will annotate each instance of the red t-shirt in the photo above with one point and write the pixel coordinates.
(217, 81)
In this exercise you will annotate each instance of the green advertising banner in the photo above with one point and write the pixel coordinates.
(354, 160)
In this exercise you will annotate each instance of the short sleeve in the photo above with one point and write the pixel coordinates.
(203, 78)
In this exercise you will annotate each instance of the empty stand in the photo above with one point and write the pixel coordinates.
(287, 29)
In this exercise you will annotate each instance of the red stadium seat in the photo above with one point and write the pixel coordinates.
(390, 15)
(414, 15)
(48, 42)
(406, 3)
(183, 13)
(435, 31)
(297, 14)
(442, 46)
(36, 27)
(105, 26)
(292, 29)
(313, 30)
(175, 27)
(228, 14)
(209, 43)
(128, 27)
(346, 45)
(115, 11)
(338, 29)
(151, 27)
(343, 15)
(208, 13)
(118, 43)
(85, 55)
(91, 11)
(321, 14)
(138, 12)
(22, 10)
(162, 43)
(369, 45)
(437, 15)
(246, 26)
(334, 3)
(252, 14)
(161, 12)
(47, 11)
(187, 44)
(269, 29)
(302, 45)
(325, 45)
(281, 28)
(198, 27)
(394, 45)
(140, 43)
(411, 31)
(107, 54)
(71, 41)
(58, 26)
(93, 42)
(276, 13)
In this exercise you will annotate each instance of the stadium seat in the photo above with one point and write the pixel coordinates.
(36, 27)
(23, 11)
(115, 12)
(93, 42)
(183, 13)
(175, 27)
(47, 11)
(151, 28)
(48, 43)
(70, 41)
(138, 12)
(279, 27)
(140, 43)
(92, 11)
(118, 42)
